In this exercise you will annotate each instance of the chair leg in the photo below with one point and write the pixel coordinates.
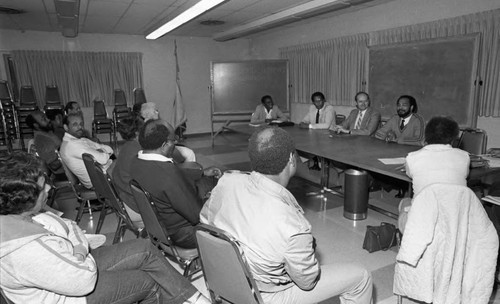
(80, 211)
(400, 299)
(120, 231)
(102, 216)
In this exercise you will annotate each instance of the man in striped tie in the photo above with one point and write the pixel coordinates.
(363, 120)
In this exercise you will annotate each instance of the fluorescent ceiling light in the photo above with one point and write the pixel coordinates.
(296, 13)
(191, 13)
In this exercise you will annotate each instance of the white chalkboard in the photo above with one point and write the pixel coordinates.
(238, 86)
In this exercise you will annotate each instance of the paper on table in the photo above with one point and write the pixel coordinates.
(492, 199)
(493, 162)
(393, 161)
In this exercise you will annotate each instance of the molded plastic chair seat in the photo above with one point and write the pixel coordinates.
(101, 123)
(27, 96)
(157, 232)
(473, 141)
(226, 272)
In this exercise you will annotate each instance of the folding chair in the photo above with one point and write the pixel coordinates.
(139, 96)
(52, 98)
(101, 123)
(27, 96)
(108, 196)
(157, 232)
(225, 268)
(82, 194)
(473, 141)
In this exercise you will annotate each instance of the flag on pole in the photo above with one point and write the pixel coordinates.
(178, 113)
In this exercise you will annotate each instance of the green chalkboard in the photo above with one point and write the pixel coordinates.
(238, 86)
(439, 73)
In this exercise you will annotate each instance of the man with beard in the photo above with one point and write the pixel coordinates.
(407, 127)
(46, 141)
(74, 145)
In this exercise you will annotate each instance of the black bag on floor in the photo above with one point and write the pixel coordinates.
(381, 237)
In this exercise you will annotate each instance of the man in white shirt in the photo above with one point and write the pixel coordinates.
(74, 145)
(363, 120)
(320, 115)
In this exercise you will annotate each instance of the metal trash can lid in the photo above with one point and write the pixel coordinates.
(355, 172)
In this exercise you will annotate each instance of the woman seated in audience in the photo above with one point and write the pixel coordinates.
(436, 162)
(46, 259)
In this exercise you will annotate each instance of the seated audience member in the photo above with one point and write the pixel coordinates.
(437, 162)
(361, 121)
(320, 115)
(181, 153)
(267, 112)
(276, 238)
(46, 142)
(407, 127)
(74, 145)
(177, 199)
(72, 107)
(56, 118)
(46, 259)
(128, 128)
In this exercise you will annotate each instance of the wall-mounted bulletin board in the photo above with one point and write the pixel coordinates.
(439, 73)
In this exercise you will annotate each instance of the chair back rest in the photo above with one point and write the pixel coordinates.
(120, 99)
(139, 96)
(100, 109)
(147, 209)
(5, 93)
(339, 118)
(473, 141)
(73, 180)
(104, 187)
(52, 95)
(27, 96)
(226, 271)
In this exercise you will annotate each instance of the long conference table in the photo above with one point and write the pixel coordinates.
(362, 152)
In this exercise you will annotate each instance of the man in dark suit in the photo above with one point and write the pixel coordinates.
(363, 120)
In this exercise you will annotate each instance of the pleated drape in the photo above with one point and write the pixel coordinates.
(337, 67)
(79, 76)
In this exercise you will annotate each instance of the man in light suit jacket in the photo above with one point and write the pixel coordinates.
(363, 120)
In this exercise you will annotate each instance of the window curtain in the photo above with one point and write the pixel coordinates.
(335, 67)
(80, 76)
(485, 23)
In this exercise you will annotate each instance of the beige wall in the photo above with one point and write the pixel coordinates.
(194, 54)
(388, 15)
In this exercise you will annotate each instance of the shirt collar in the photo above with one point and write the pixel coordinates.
(153, 157)
(269, 185)
(407, 119)
(68, 136)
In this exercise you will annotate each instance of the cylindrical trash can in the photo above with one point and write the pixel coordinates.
(355, 194)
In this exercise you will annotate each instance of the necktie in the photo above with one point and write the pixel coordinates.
(402, 124)
(317, 117)
(358, 122)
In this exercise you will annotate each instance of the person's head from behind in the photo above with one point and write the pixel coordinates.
(39, 121)
(441, 130)
(157, 136)
(271, 151)
(72, 107)
(56, 117)
(406, 105)
(23, 189)
(267, 101)
(318, 99)
(149, 111)
(362, 101)
(73, 124)
(128, 128)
